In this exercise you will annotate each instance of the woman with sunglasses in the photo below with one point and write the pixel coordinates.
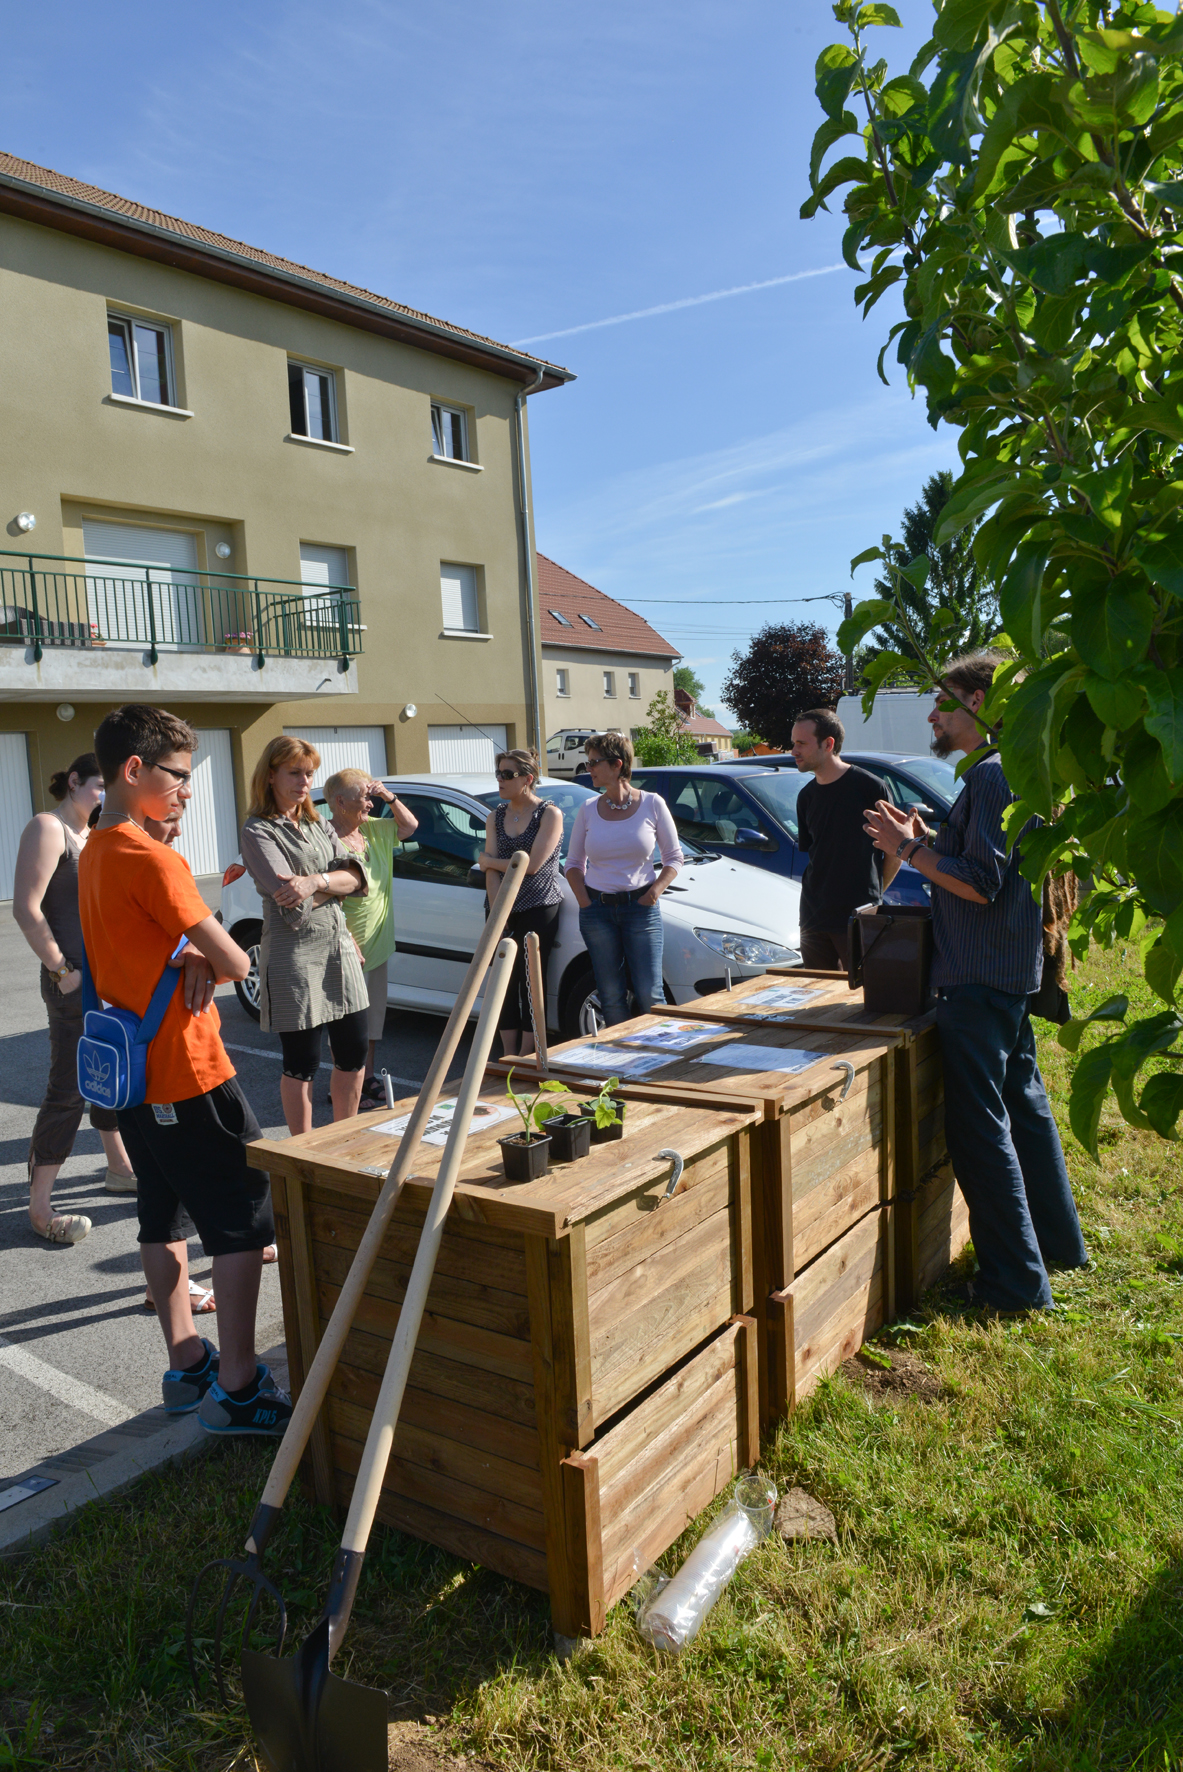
(610, 870)
(524, 821)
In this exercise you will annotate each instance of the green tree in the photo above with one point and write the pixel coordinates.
(685, 677)
(664, 739)
(955, 582)
(788, 667)
(1022, 184)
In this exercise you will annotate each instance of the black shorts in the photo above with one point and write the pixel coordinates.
(349, 1043)
(197, 1165)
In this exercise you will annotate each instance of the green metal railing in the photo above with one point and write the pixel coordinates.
(125, 603)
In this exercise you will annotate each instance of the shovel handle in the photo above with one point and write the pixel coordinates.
(537, 1000)
(380, 1438)
(324, 1364)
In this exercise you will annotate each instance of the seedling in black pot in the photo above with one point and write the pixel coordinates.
(607, 1110)
(526, 1154)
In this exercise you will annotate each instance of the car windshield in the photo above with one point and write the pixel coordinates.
(569, 796)
(936, 774)
(778, 795)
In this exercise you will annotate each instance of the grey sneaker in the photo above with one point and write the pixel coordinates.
(119, 1184)
(267, 1410)
(183, 1391)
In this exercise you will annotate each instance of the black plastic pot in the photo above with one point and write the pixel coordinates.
(525, 1162)
(603, 1134)
(570, 1137)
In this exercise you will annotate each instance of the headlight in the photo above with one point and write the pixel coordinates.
(747, 950)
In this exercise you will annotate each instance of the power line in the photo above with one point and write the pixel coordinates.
(679, 603)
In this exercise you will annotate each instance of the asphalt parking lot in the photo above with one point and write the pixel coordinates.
(78, 1352)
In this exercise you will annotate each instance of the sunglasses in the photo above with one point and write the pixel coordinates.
(509, 774)
(184, 776)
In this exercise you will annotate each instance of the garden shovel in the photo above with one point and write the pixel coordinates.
(534, 991)
(308, 1719)
(316, 1382)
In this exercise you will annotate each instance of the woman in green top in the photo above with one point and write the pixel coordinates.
(351, 796)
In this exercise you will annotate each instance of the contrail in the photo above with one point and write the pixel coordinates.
(687, 301)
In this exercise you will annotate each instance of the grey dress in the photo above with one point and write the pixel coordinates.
(309, 970)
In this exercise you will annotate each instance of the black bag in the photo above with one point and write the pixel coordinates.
(891, 957)
(1050, 1001)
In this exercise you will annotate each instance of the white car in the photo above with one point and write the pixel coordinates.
(718, 915)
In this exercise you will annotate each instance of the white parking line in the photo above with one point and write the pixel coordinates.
(262, 1052)
(83, 1397)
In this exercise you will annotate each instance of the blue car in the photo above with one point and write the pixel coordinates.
(749, 810)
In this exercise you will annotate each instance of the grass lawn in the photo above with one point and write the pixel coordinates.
(1007, 1589)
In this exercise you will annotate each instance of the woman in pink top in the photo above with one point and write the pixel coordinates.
(610, 871)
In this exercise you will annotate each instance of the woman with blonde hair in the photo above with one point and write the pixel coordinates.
(45, 906)
(351, 797)
(524, 820)
(310, 970)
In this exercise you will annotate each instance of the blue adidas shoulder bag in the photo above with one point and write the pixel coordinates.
(113, 1050)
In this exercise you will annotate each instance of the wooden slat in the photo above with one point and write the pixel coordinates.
(491, 1513)
(828, 1209)
(741, 1205)
(748, 1354)
(642, 1227)
(581, 1499)
(479, 1428)
(838, 1300)
(552, 1406)
(669, 1402)
(470, 1259)
(459, 1537)
(446, 1377)
(307, 1326)
(505, 1355)
(485, 1307)
(430, 1450)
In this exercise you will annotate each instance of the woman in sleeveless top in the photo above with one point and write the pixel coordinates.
(45, 905)
(524, 821)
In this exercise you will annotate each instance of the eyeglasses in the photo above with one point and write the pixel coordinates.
(508, 774)
(184, 776)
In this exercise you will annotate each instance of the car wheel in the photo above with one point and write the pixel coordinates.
(581, 1016)
(248, 936)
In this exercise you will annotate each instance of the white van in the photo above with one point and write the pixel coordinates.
(719, 915)
(566, 752)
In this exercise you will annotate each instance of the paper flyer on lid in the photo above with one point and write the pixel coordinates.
(781, 997)
(613, 1061)
(486, 1113)
(674, 1036)
(742, 1057)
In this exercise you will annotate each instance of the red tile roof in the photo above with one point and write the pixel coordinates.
(619, 629)
(698, 726)
(15, 172)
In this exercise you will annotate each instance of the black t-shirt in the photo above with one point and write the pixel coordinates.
(845, 869)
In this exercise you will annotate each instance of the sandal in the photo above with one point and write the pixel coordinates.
(201, 1300)
(65, 1227)
(270, 1254)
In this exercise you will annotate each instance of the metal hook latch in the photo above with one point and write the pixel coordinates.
(676, 1177)
(844, 1064)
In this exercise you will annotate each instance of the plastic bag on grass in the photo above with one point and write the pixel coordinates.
(670, 1609)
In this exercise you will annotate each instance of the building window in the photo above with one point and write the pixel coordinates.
(312, 396)
(610, 684)
(141, 360)
(449, 432)
(591, 623)
(634, 684)
(562, 682)
(324, 573)
(458, 594)
(561, 619)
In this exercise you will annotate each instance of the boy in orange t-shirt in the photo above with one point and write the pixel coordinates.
(188, 1138)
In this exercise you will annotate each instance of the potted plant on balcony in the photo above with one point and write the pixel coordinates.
(237, 642)
(607, 1109)
(96, 638)
(526, 1154)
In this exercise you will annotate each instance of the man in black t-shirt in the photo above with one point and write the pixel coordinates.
(845, 869)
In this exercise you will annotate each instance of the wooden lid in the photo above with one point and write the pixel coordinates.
(828, 1003)
(354, 1156)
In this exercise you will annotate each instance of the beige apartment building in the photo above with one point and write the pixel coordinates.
(602, 663)
(254, 494)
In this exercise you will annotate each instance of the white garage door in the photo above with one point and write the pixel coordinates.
(209, 832)
(16, 803)
(464, 750)
(344, 747)
(119, 601)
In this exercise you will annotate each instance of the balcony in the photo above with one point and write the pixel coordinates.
(120, 630)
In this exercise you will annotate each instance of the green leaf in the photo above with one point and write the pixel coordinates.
(867, 554)
(862, 619)
(1054, 264)
(1115, 704)
(1020, 602)
(1162, 963)
(960, 22)
(1154, 847)
(1113, 1009)
(1157, 1033)
(1164, 691)
(1167, 191)
(1029, 734)
(1031, 102)
(1145, 774)
(879, 14)
(835, 70)
(1163, 561)
(967, 501)
(843, 172)
(1090, 1080)
(882, 668)
(832, 130)
(1162, 1103)
(1111, 625)
(916, 571)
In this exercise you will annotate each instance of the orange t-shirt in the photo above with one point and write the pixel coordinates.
(137, 898)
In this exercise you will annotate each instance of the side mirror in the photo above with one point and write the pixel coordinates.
(926, 812)
(749, 839)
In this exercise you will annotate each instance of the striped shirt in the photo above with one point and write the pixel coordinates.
(999, 943)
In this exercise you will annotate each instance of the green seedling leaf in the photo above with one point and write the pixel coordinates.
(867, 554)
(1162, 1103)
(1069, 1036)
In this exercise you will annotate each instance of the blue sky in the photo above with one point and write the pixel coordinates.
(525, 170)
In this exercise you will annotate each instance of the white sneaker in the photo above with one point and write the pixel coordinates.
(119, 1184)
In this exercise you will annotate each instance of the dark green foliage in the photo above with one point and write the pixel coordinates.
(788, 667)
(955, 583)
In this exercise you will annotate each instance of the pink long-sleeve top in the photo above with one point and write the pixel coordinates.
(615, 853)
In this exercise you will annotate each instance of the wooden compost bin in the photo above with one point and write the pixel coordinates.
(931, 1217)
(825, 1184)
(585, 1379)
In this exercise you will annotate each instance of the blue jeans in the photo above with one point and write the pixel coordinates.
(1005, 1147)
(624, 942)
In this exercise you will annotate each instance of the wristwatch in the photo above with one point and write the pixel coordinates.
(61, 971)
